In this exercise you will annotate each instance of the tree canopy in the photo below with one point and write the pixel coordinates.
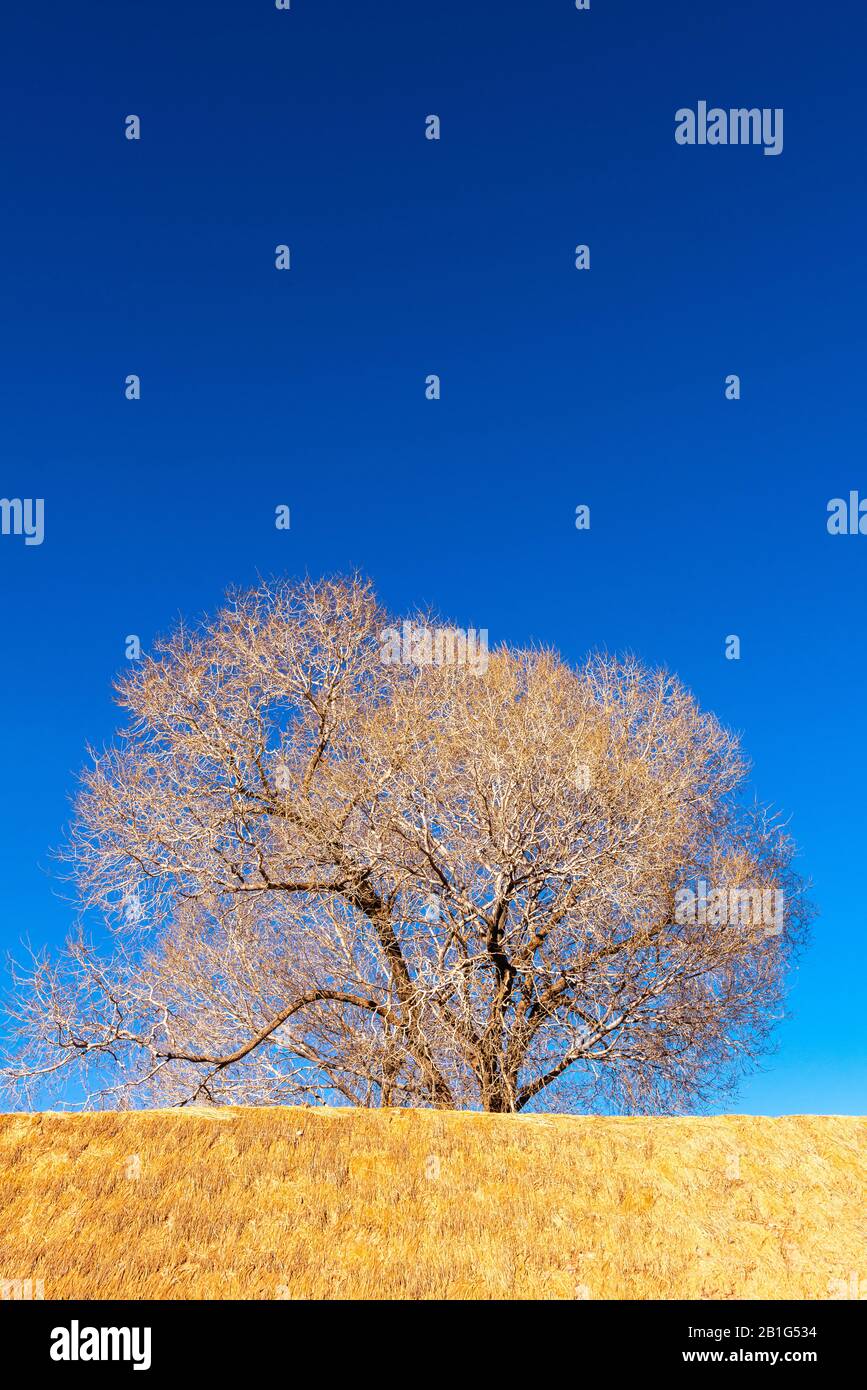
(317, 873)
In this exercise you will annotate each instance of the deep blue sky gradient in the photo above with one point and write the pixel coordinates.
(559, 387)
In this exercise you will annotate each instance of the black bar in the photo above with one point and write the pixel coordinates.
(201, 1339)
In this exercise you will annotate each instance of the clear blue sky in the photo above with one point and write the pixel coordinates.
(559, 387)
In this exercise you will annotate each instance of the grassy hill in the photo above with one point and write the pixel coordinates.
(319, 1203)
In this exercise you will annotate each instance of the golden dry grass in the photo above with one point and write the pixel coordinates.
(288, 1203)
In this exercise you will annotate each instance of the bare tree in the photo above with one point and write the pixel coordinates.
(321, 873)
